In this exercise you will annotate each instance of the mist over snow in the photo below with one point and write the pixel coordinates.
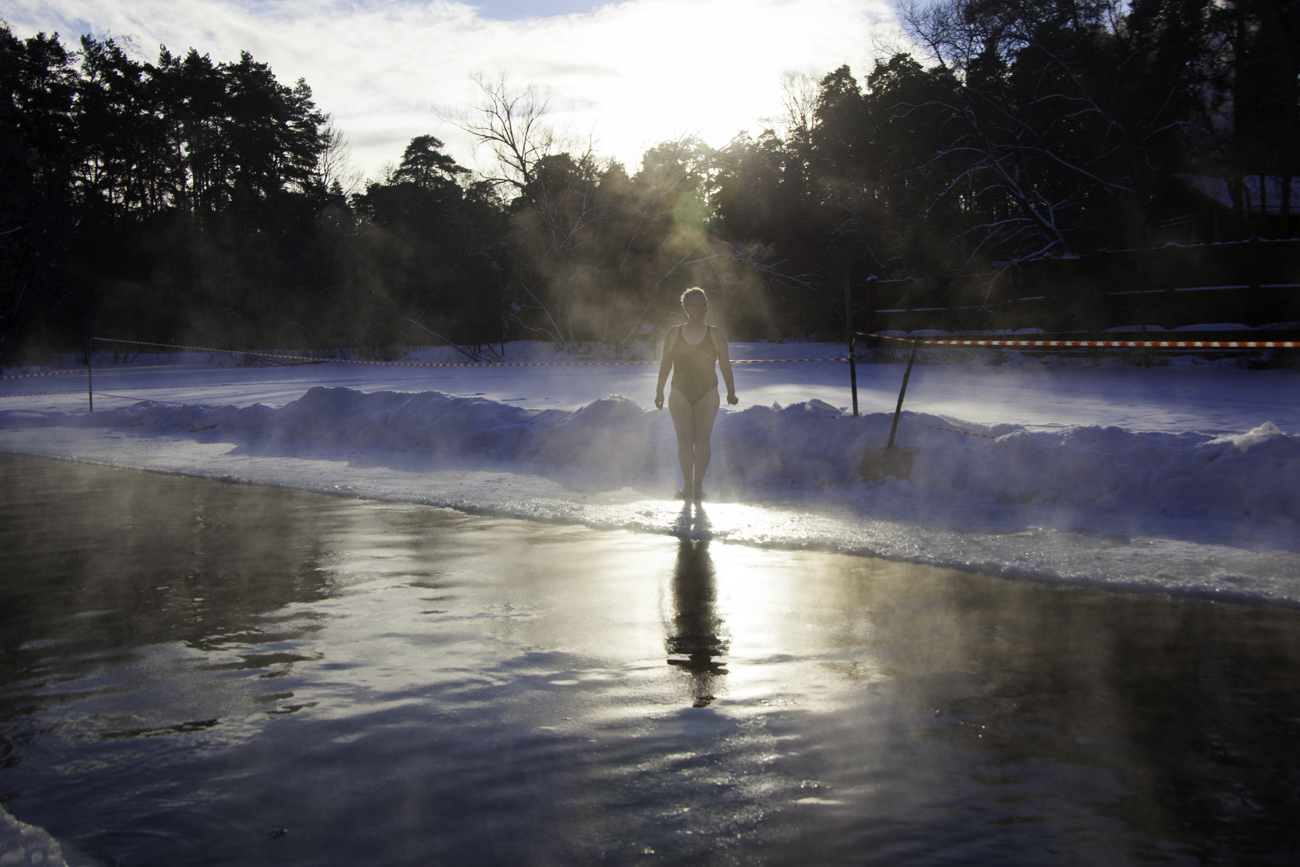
(1194, 492)
(806, 451)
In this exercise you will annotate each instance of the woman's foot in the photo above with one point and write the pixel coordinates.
(699, 494)
(682, 494)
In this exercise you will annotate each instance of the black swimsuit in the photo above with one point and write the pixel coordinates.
(693, 366)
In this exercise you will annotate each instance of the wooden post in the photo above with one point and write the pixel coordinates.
(848, 318)
(871, 306)
(898, 410)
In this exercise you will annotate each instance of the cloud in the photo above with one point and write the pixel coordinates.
(630, 74)
(547, 69)
(509, 10)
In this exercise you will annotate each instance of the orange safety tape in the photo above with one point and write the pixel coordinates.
(436, 363)
(1153, 344)
(33, 375)
(82, 393)
(172, 403)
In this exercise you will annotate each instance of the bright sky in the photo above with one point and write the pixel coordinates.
(629, 74)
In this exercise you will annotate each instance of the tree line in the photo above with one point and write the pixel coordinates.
(192, 201)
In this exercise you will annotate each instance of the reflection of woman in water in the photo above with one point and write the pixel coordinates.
(691, 351)
(694, 642)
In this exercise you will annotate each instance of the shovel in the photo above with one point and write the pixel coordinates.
(878, 464)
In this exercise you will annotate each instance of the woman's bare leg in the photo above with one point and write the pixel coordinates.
(706, 413)
(684, 423)
(694, 426)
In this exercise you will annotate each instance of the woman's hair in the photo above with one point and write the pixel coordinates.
(691, 291)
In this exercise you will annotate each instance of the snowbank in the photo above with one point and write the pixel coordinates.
(1175, 479)
(22, 844)
(808, 451)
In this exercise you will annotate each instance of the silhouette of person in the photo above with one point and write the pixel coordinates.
(692, 351)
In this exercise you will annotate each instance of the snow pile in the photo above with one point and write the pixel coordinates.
(21, 844)
(807, 451)
(1177, 479)
(1187, 475)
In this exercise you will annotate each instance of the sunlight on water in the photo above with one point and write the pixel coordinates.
(203, 673)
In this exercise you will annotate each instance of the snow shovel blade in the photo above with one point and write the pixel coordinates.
(878, 464)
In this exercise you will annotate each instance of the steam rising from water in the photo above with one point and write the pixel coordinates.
(805, 451)
(215, 673)
(1187, 512)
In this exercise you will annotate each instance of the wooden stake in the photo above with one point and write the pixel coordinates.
(848, 318)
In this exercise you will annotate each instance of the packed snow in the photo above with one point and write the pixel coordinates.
(1179, 477)
(23, 844)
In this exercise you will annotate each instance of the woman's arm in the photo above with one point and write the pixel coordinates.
(670, 340)
(724, 364)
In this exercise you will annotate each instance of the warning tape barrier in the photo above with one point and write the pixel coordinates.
(83, 394)
(34, 375)
(778, 360)
(173, 403)
(80, 393)
(1142, 344)
(433, 363)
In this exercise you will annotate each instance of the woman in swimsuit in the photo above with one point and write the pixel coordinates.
(691, 350)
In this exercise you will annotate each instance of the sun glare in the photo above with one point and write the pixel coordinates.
(623, 76)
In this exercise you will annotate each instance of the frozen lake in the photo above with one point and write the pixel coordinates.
(196, 672)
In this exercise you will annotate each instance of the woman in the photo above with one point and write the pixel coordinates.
(691, 350)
